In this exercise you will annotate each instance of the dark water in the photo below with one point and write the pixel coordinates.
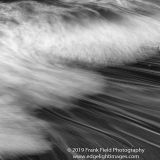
(126, 116)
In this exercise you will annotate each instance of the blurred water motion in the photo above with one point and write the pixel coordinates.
(126, 116)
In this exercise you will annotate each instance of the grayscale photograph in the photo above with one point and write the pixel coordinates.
(79, 79)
